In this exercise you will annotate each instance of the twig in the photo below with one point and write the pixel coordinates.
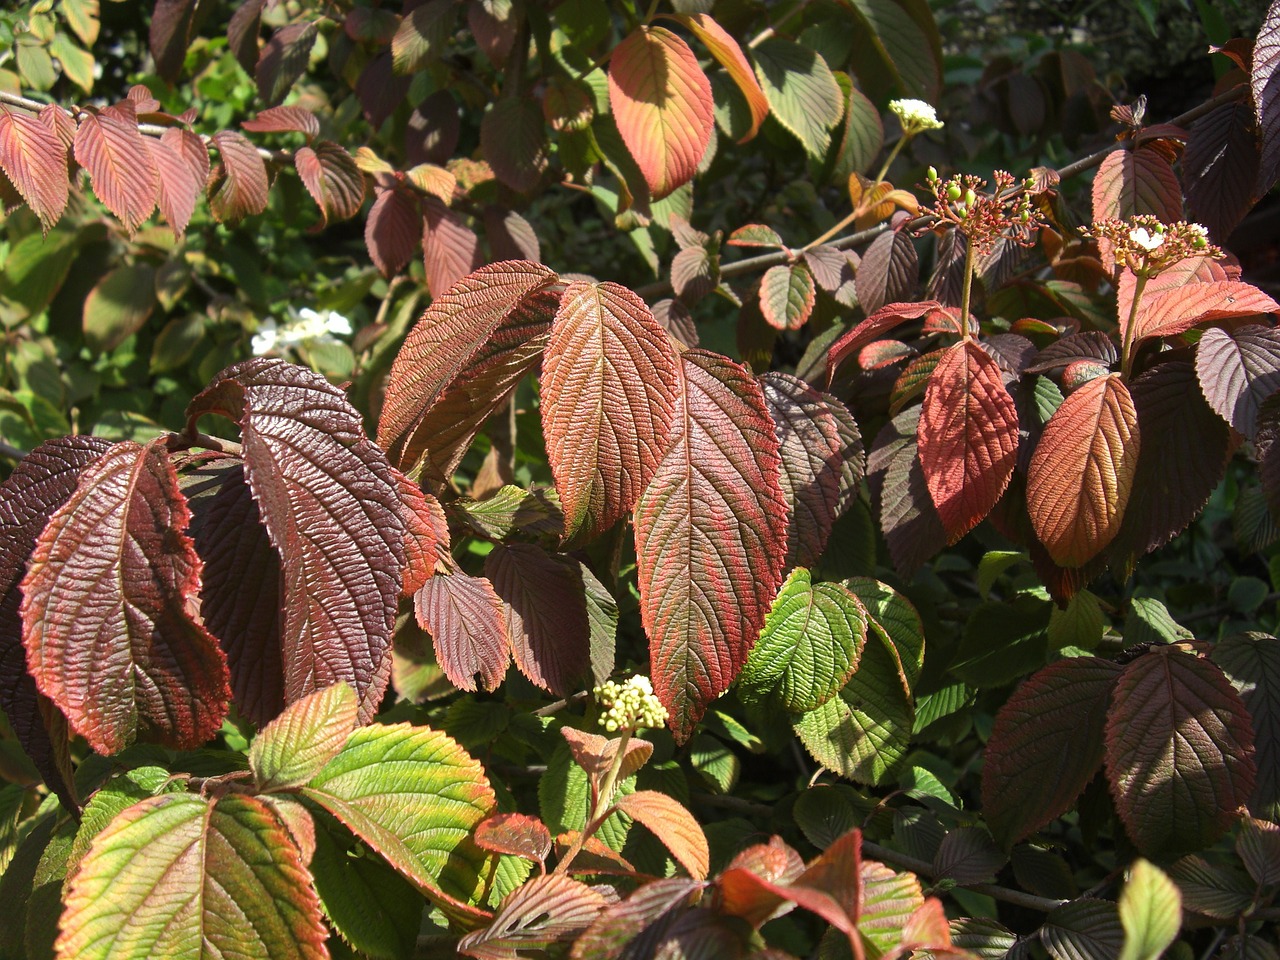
(559, 705)
(1222, 608)
(193, 438)
(11, 452)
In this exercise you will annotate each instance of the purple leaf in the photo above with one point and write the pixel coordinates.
(465, 619)
(1239, 370)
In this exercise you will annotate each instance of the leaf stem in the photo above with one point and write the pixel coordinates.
(861, 207)
(1126, 349)
(194, 438)
(966, 293)
(602, 809)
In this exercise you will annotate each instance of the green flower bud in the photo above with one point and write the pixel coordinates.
(953, 191)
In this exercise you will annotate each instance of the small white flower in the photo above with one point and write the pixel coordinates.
(302, 326)
(915, 115)
(1145, 239)
(264, 341)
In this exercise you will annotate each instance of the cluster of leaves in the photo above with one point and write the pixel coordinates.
(200, 638)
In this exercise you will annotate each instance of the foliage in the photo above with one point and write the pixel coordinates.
(736, 509)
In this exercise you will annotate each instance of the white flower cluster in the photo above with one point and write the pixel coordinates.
(916, 116)
(1147, 239)
(630, 705)
(303, 325)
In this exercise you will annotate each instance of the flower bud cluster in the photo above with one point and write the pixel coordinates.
(1007, 212)
(916, 116)
(629, 705)
(1146, 245)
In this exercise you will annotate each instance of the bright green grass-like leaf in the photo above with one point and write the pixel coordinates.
(1150, 911)
(293, 747)
(809, 646)
(176, 876)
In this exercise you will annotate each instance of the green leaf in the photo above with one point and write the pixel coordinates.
(809, 645)
(715, 762)
(113, 798)
(292, 748)
(895, 621)
(1150, 912)
(77, 63)
(802, 92)
(1081, 624)
(787, 294)
(414, 796)
(1149, 621)
(1003, 641)
(178, 876)
(118, 306)
(993, 564)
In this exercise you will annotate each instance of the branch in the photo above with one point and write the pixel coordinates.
(11, 452)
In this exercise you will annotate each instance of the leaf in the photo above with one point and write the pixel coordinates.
(1179, 751)
(1220, 168)
(1238, 371)
(1177, 310)
(284, 120)
(1224, 893)
(109, 145)
(41, 483)
(126, 656)
(896, 623)
(1046, 746)
(787, 294)
(822, 461)
(639, 923)
(1137, 181)
(1150, 912)
(967, 437)
(497, 302)
(495, 26)
(873, 328)
(284, 60)
(427, 534)
(513, 138)
(1082, 471)
(393, 230)
(908, 518)
(292, 748)
(244, 185)
(546, 615)
(415, 796)
(907, 38)
(450, 249)
(332, 178)
(755, 235)
(511, 236)
(1083, 929)
(1091, 345)
(421, 36)
(1252, 663)
(546, 910)
(242, 33)
(862, 134)
(1258, 846)
(1264, 81)
(515, 834)
(673, 825)
(182, 164)
(809, 645)
(889, 271)
(707, 578)
(35, 161)
(118, 306)
(726, 50)
(968, 855)
(331, 506)
(695, 272)
(661, 101)
(176, 875)
(801, 90)
(465, 619)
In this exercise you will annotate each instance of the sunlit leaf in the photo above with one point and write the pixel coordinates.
(182, 163)
(1150, 912)
(243, 187)
(673, 825)
(515, 834)
(787, 294)
(546, 910)
(35, 161)
(882, 321)
(1238, 370)
(1138, 181)
(332, 179)
(393, 229)
(109, 145)
(465, 619)
(802, 92)
(1176, 310)
(293, 747)
(450, 248)
(725, 49)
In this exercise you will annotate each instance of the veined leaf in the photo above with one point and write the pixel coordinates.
(822, 461)
(415, 796)
(465, 619)
(427, 534)
(1083, 929)
(178, 876)
(110, 147)
(673, 825)
(41, 483)
(882, 321)
(1264, 80)
(888, 272)
(1082, 471)
(1150, 912)
(896, 623)
(332, 178)
(284, 59)
(1179, 751)
(243, 185)
(1252, 663)
(284, 120)
(495, 25)
(787, 294)
(801, 90)
(1046, 745)
(1173, 311)
(170, 35)
(515, 834)
(1138, 181)
(546, 910)
(35, 161)
(662, 103)
(126, 657)
(1220, 168)
(967, 437)
(726, 50)
(513, 138)
(609, 392)
(450, 249)
(639, 922)
(707, 578)
(421, 36)
(907, 38)
(292, 748)
(182, 164)
(908, 518)
(393, 229)
(332, 508)
(1238, 371)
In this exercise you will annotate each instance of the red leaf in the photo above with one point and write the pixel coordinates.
(110, 147)
(726, 49)
(883, 320)
(708, 577)
(638, 922)
(242, 33)
(450, 249)
(240, 595)
(609, 386)
(595, 754)
(513, 138)
(182, 164)
(380, 90)
(464, 617)
(889, 271)
(1264, 80)
(908, 518)
(546, 615)
(244, 186)
(1046, 746)
(446, 342)
(673, 825)
(393, 229)
(695, 272)
(968, 437)
(1252, 662)
(170, 36)
(787, 293)
(495, 27)
(822, 461)
(1220, 168)
(332, 178)
(284, 120)
(1092, 345)
(35, 160)
(1082, 471)
(774, 862)
(662, 104)
(511, 236)
(109, 609)
(1179, 751)
(1177, 310)
(284, 59)
(332, 508)
(1238, 371)
(515, 834)
(431, 134)
(41, 483)
(426, 534)
(1190, 270)
(545, 911)
(1137, 181)
(674, 317)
